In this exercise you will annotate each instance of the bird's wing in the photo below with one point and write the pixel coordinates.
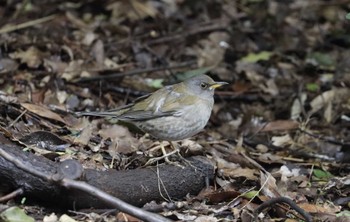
(163, 102)
(113, 112)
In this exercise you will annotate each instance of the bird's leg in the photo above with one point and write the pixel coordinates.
(165, 155)
(175, 146)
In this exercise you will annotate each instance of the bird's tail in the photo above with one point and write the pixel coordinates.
(109, 113)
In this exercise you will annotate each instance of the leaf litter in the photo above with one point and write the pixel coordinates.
(281, 128)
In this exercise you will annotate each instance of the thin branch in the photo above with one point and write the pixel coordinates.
(321, 137)
(135, 72)
(11, 28)
(219, 25)
(91, 190)
(11, 195)
(286, 200)
(113, 201)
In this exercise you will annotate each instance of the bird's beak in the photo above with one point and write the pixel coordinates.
(217, 84)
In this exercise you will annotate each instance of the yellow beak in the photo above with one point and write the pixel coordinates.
(217, 84)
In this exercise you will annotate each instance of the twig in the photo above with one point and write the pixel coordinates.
(91, 190)
(16, 120)
(335, 142)
(11, 195)
(12, 28)
(113, 201)
(160, 185)
(257, 193)
(286, 200)
(241, 195)
(134, 72)
(197, 29)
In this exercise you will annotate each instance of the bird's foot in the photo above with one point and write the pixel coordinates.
(165, 156)
(166, 159)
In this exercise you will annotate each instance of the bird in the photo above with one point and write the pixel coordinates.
(172, 113)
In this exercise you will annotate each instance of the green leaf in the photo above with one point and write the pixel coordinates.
(23, 200)
(251, 194)
(323, 59)
(28, 7)
(66, 218)
(255, 57)
(322, 175)
(347, 16)
(155, 83)
(15, 214)
(344, 213)
(312, 87)
(194, 72)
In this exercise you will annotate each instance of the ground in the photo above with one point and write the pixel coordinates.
(279, 128)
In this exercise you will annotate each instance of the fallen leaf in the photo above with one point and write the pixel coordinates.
(255, 57)
(325, 208)
(15, 214)
(86, 129)
(269, 86)
(268, 184)
(297, 107)
(122, 139)
(32, 57)
(322, 174)
(126, 217)
(322, 59)
(279, 125)
(51, 218)
(282, 141)
(322, 100)
(43, 112)
(66, 218)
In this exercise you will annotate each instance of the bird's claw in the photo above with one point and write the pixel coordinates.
(166, 159)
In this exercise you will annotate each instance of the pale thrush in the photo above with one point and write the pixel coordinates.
(174, 112)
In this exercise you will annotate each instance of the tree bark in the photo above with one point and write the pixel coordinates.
(136, 187)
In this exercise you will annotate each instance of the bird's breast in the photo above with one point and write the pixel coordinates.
(188, 121)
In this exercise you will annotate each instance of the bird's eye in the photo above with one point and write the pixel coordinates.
(204, 85)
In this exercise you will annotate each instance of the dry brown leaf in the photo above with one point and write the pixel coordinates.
(270, 87)
(209, 50)
(285, 173)
(282, 141)
(32, 57)
(85, 134)
(270, 158)
(122, 139)
(55, 65)
(268, 184)
(322, 100)
(204, 218)
(248, 173)
(230, 171)
(296, 108)
(280, 125)
(133, 10)
(74, 69)
(98, 52)
(327, 99)
(72, 18)
(42, 111)
(126, 217)
(325, 208)
(7, 98)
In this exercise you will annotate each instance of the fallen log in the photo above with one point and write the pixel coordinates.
(135, 187)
